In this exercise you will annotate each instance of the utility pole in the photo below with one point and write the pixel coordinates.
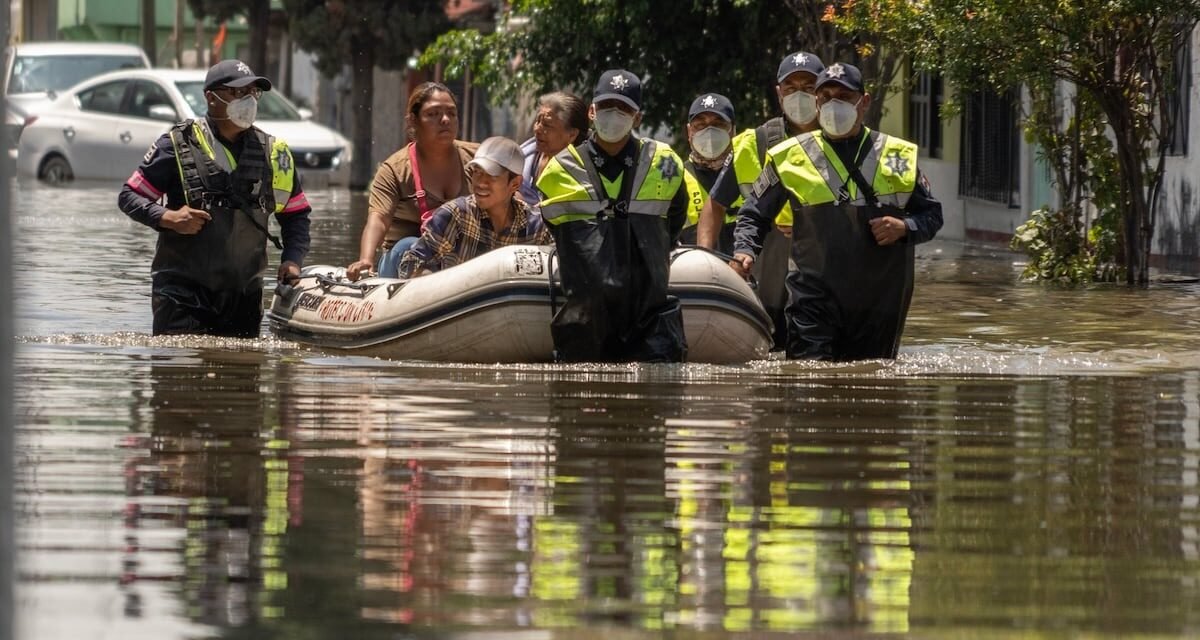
(149, 39)
(178, 37)
(7, 416)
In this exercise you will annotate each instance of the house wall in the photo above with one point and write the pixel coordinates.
(1177, 234)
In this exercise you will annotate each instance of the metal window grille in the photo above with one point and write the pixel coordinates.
(925, 114)
(988, 166)
(1179, 102)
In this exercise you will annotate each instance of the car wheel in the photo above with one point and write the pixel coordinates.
(56, 170)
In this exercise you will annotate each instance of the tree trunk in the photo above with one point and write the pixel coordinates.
(363, 93)
(149, 32)
(1136, 215)
(258, 18)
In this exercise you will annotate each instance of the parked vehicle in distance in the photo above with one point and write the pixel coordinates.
(35, 72)
(101, 128)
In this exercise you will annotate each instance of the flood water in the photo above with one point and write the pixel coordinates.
(1027, 468)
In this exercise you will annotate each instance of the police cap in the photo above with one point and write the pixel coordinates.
(712, 102)
(619, 84)
(800, 61)
(233, 73)
(846, 75)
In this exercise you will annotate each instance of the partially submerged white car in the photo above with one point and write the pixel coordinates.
(36, 72)
(101, 128)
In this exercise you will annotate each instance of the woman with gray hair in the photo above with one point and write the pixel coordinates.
(561, 120)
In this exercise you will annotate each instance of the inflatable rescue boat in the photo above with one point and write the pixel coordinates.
(497, 308)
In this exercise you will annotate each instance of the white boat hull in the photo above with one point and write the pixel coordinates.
(497, 308)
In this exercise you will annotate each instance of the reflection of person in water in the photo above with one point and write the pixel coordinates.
(609, 526)
(204, 470)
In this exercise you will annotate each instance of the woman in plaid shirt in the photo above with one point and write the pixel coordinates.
(490, 217)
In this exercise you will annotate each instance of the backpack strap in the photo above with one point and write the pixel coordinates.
(767, 135)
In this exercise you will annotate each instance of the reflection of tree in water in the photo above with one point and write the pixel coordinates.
(212, 470)
(1068, 503)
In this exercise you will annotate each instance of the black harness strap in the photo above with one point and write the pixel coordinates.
(207, 185)
(767, 135)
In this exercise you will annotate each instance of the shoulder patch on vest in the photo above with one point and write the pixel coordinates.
(149, 153)
(283, 159)
(668, 167)
(895, 163)
(924, 181)
(767, 178)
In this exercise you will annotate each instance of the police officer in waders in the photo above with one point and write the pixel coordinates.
(709, 132)
(222, 178)
(795, 82)
(858, 206)
(615, 207)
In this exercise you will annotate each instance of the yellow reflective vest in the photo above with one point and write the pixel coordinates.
(569, 189)
(812, 171)
(283, 169)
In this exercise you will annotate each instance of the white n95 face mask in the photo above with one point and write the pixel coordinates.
(838, 117)
(800, 107)
(613, 124)
(242, 111)
(710, 142)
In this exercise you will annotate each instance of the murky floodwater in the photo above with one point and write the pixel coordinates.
(1028, 467)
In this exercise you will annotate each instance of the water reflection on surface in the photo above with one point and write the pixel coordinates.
(1027, 467)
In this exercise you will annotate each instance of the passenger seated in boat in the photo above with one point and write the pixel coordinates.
(562, 119)
(414, 181)
(490, 217)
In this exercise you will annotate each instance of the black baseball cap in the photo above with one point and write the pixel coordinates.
(846, 75)
(619, 84)
(233, 73)
(714, 102)
(799, 61)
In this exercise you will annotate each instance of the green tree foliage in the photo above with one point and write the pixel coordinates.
(1118, 54)
(362, 35)
(258, 16)
(679, 49)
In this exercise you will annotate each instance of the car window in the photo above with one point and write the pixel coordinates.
(54, 73)
(271, 106)
(104, 98)
(147, 94)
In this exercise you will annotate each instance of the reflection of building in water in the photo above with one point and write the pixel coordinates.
(1069, 503)
(449, 492)
(214, 470)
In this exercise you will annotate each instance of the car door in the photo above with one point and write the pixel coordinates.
(149, 113)
(91, 138)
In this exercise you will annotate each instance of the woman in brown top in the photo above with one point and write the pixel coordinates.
(414, 181)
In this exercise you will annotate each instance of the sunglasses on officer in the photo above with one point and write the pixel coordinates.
(238, 92)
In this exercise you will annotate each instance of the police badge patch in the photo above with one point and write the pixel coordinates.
(284, 160)
(667, 167)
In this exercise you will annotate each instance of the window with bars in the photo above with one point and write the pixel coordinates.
(1178, 99)
(925, 114)
(989, 165)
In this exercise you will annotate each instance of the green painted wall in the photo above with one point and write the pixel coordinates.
(120, 21)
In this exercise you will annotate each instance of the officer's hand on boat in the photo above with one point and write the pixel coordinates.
(742, 263)
(359, 269)
(185, 220)
(289, 272)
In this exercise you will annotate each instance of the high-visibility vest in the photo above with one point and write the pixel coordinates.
(813, 173)
(569, 185)
(196, 175)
